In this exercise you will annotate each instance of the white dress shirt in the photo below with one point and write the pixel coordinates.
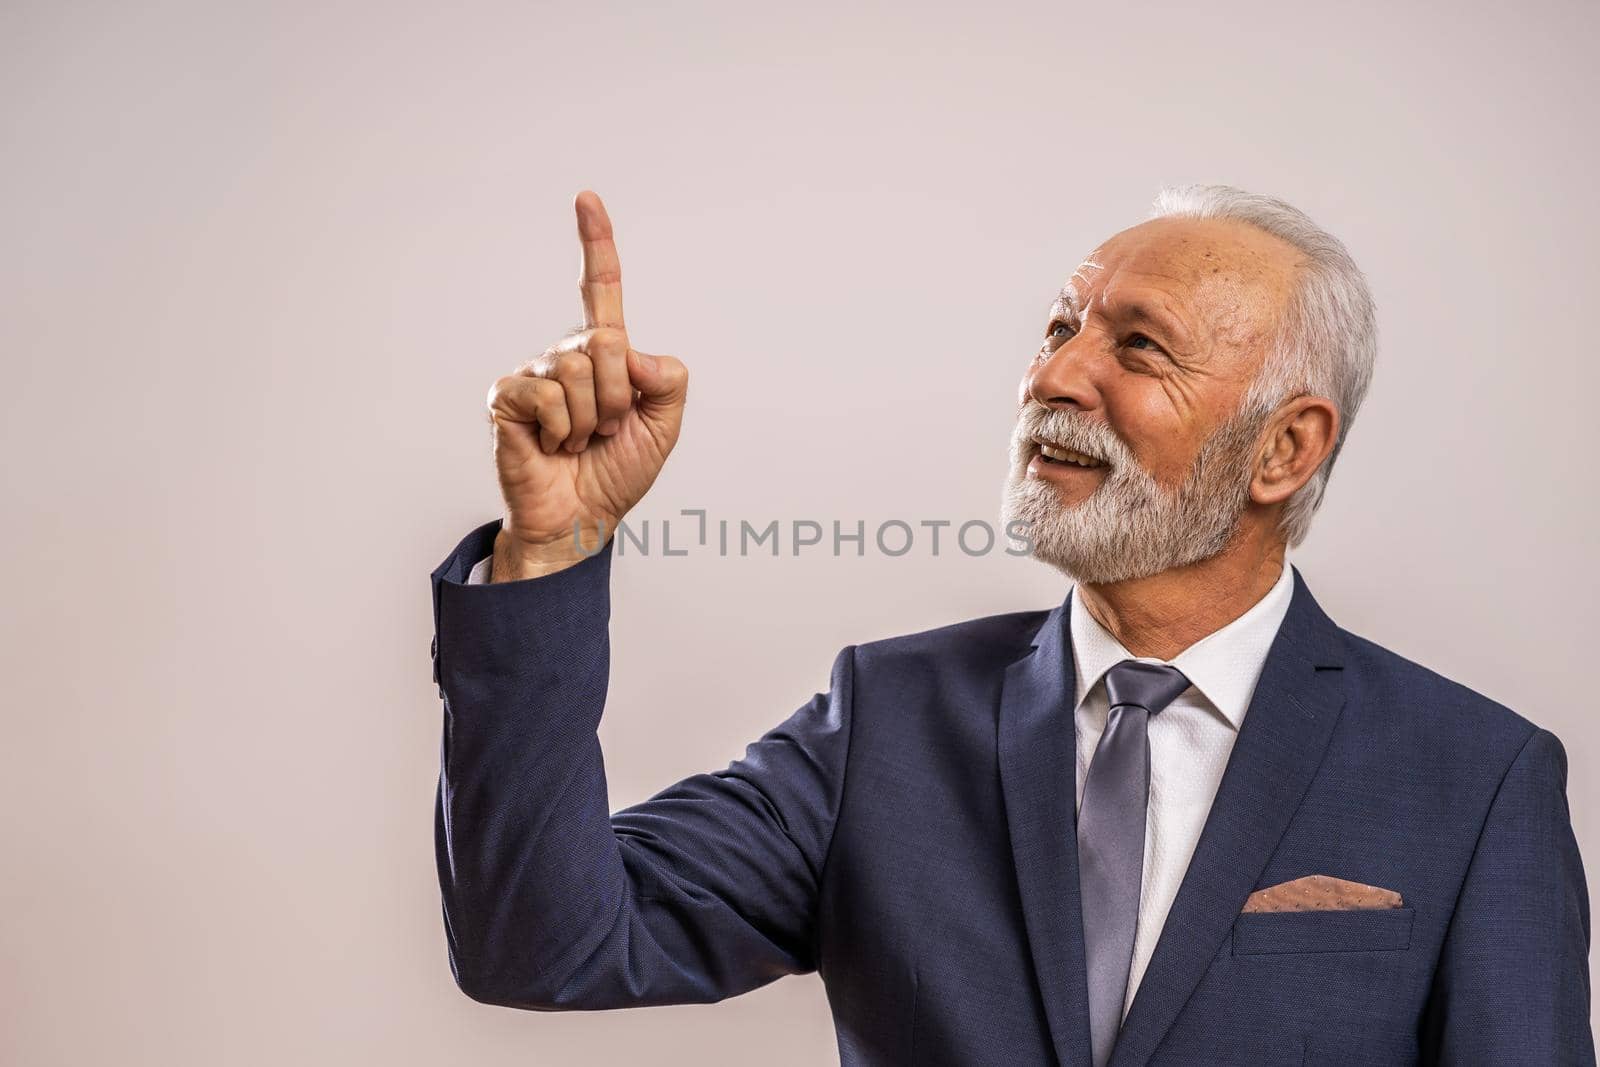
(1190, 740)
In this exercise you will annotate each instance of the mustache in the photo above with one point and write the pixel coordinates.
(1072, 430)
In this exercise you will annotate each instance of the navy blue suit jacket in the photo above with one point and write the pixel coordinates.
(909, 834)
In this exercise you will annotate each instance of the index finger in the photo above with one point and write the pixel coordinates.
(600, 280)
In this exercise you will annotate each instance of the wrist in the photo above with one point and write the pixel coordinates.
(516, 560)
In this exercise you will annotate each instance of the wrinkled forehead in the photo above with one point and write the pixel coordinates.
(1200, 268)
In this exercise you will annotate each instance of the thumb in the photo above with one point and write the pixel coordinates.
(662, 381)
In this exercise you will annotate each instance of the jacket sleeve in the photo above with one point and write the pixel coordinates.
(1512, 984)
(705, 890)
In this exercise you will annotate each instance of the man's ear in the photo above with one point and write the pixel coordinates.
(1299, 436)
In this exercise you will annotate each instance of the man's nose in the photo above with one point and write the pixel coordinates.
(1064, 379)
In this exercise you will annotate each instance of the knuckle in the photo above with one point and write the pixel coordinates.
(500, 390)
(607, 342)
(539, 366)
(574, 367)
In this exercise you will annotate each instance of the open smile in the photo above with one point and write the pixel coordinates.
(1052, 454)
(1067, 467)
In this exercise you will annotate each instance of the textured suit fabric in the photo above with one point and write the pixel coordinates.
(1189, 743)
(909, 834)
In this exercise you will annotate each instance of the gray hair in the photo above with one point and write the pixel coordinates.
(1328, 338)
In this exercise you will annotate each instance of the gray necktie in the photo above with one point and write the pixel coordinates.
(1116, 792)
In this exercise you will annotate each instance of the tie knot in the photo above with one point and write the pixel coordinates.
(1151, 686)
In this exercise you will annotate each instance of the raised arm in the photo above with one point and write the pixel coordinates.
(710, 887)
(705, 890)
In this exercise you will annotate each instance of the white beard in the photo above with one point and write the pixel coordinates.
(1131, 526)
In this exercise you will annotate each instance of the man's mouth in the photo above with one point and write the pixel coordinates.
(1053, 454)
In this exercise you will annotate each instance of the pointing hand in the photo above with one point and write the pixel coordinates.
(581, 432)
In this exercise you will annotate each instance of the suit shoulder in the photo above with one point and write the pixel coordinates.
(972, 643)
(1438, 706)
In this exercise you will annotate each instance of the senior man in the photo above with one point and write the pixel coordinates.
(1183, 818)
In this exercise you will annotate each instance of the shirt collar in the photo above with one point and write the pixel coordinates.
(1224, 665)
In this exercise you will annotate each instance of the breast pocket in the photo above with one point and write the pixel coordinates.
(1358, 930)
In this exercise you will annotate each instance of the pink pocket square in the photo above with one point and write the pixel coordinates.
(1321, 892)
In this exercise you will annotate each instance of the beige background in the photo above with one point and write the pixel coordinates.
(261, 263)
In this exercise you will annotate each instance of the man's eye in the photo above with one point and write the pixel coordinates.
(1060, 329)
(1139, 340)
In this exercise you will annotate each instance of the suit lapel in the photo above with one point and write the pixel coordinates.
(1280, 745)
(1038, 766)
